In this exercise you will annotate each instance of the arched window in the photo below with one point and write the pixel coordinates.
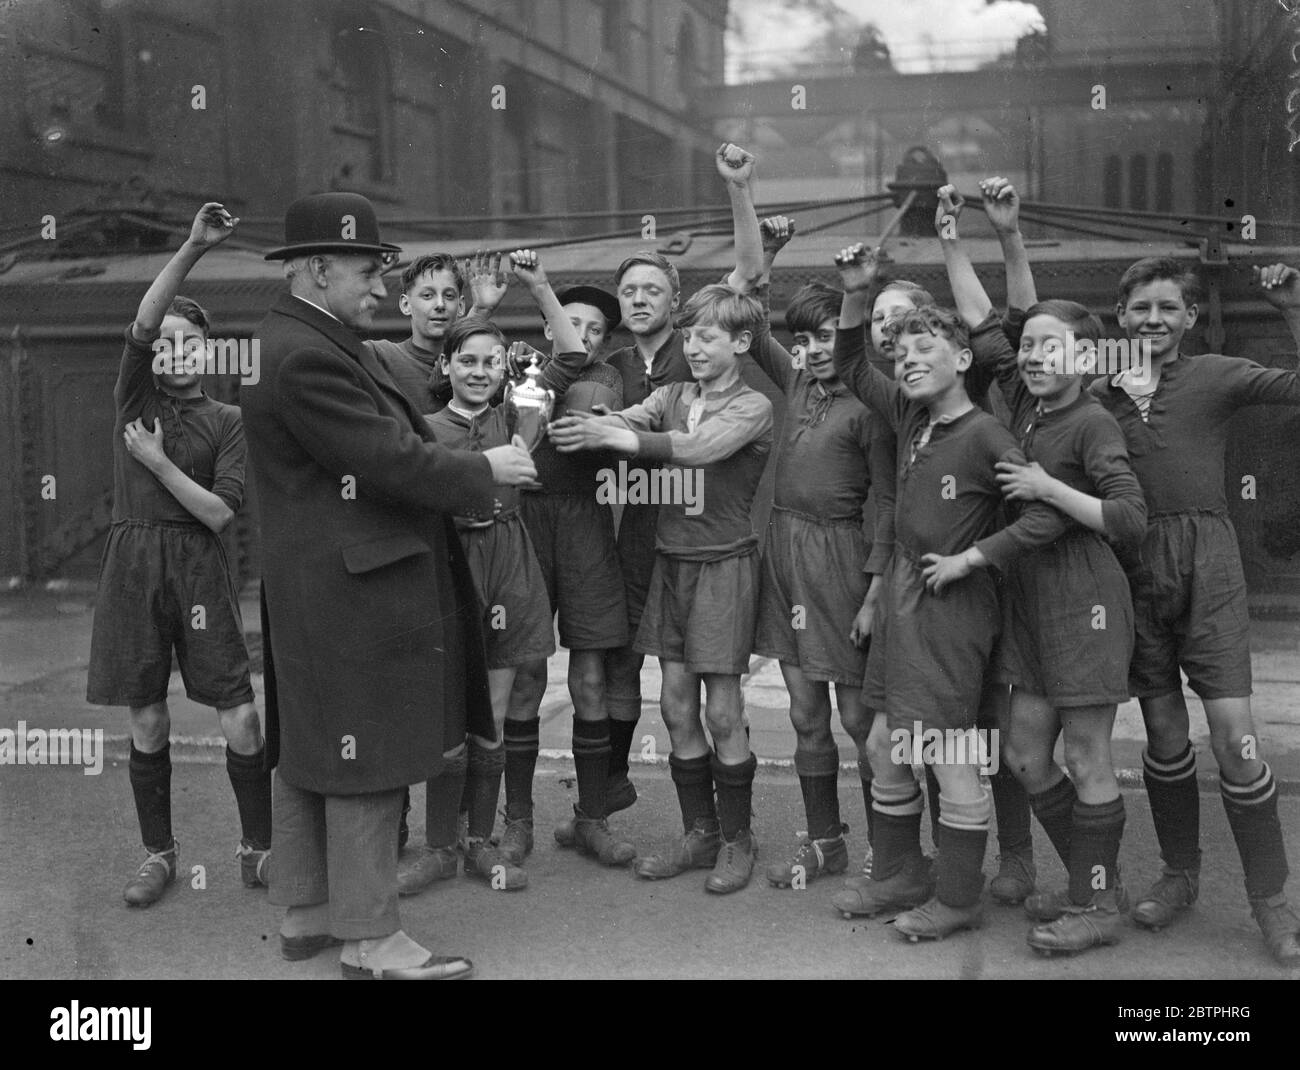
(1137, 182)
(1165, 182)
(1113, 182)
(687, 59)
(359, 78)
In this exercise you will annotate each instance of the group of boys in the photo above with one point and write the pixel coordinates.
(900, 615)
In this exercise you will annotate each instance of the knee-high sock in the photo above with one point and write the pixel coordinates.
(819, 774)
(252, 787)
(693, 778)
(1094, 848)
(622, 730)
(896, 839)
(963, 837)
(1054, 809)
(735, 784)
(865, 775)
(1011, 807)
(522, 738)
(483, 785)
(932, 793)
(151, 784)
(591, 762)
(1252, 816)
(442, 799)
(1175, 807)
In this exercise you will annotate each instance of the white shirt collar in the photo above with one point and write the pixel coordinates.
(315, 305)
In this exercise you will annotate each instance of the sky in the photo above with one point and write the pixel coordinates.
(922, 35)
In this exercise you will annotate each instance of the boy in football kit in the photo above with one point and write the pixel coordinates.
(821, 574)
(700, 608)
(939, 614)
(164, 583)
(573, 536)
(517, 614)
(1189, 591)
(649, 293)
(1067, 615)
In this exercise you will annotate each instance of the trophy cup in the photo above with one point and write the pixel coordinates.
(529, 406)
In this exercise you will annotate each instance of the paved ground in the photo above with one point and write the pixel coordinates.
(70, 842)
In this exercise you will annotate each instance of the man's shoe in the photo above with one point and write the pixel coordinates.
(1175, 891)
(489, 863)
(734, 865)
(908, 888)
(431, 864)
(254, 866)
(620, 793)
(592, 837)
(1015, 880)
(517, 840)
(812, 859)
(150, 881)
(297, 948)
(933, 920)
(434, 968)
(698, 849)
(1281, 928)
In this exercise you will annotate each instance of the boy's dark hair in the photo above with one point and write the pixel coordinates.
(919, 295)
(942, 322)
(1074, 315)
(811, 306)
(191, 310)
(654, 260)
(718, 305)
(466, 328)
(1156, 268)
(432, 262)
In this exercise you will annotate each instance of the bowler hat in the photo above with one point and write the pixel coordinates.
(597, 298)
(344, 222)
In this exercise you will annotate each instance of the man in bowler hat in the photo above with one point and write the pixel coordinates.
(372, 648)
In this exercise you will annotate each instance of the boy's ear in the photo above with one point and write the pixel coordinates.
(677, 300)
(404, 304)
(1119, 312)
(1085, 357)
(741, 341)
(964, 358)
(546, 330)
(1192, 312)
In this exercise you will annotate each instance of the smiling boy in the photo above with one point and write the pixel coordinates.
(700, 608)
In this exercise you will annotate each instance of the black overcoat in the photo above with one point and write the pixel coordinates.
(368, 601)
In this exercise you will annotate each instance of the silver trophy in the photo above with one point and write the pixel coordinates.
(530, 406)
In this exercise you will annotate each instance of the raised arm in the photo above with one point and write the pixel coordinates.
(775, 232)
(212, 225)
(1002, 206)
(858, 269)
(1280, 287)
(486, 281)
(570, 355)
(968, 293)
(736, 166)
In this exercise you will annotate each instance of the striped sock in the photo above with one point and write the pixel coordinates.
(896, 839)
(963, 837)
(1252, 816)
(1094, 848)
(591, 763)
(521, 738)
(1054, 809)
(1175, 806)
